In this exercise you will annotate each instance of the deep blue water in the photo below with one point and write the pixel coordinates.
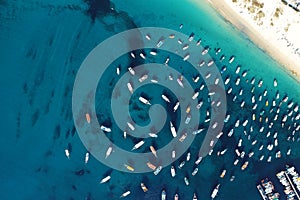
(42, 45)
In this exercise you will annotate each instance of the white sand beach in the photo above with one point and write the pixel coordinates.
(272, 25)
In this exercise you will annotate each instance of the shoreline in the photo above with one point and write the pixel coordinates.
(289, 62)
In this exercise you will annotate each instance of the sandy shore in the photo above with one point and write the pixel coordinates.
(268, 38)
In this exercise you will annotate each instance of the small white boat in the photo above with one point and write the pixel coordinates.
(231, 59)
(163, 195)
(158, 169)
(186, 180)
(144, 101)
(215, 191)
(195, 95)
(132, 55)
(165, 98)
(118, 71)
(211, 62)
(195, 171)
(143, 78)
(160, 43)
(142, 55)
(198, 160)
(275, 82)
(181, 164)
(176, 197)
(148, 37)
(188, 156)
(261, 158)
(125, 194)
(180, 82)
(236, 162)
(132, 72)
(104, 128)
(108, 152)
(130, 88)
(173, 131)
(195, 197)
(86, 159)
(187, 56)
(138, 145)
(67, 153)
(176, 106)
(173, 154)
(153, 135)
(104, 180)
(185, 47)
(130, 126)
(173, 172)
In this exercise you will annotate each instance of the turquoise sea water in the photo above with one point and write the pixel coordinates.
(42, 45)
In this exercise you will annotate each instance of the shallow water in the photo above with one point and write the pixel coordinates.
(43, 45)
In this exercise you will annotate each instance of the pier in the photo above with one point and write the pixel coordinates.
(291, 183)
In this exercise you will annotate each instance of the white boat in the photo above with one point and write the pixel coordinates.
(142, 56)
(215, 191)
(153, 135)
(173, 154)
(143, 78)
(167, 60)
(104, 180)
(202, 63)
(158, 169)
(185, 47)
(261, 158)
(211, 62)
(130, 88)
(230, 132)
(195, 197)
(165, 98)
(176, 197)
(236, 162)
(180, 82)
(125, 194)
(187, 56)
(173, 131)
(108, 152)
(163, 195)
(118, 71)
(198, 42)
(86, 159)
(181, 164)
(153, 151)
(173, 172)
(132, 54)
(138, 145)
(186, 180)
(132, 72)
(130, 126)
(238, 68)
(67, 153)
(148, 37)
(195, 95)
(104, 128)
(153, 53)
(176, 106)
(144, 101)
(205, 51)
(195, 171)
(223, 173)
(231, 59)
(188, 156)
(223, 152)
(198, 160)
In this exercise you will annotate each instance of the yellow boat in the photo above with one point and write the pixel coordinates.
(245, 165)
(129, 167)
